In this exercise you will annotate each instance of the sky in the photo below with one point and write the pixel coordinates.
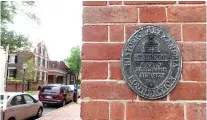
(60, 26)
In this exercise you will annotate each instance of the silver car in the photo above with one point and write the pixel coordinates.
(21, 106)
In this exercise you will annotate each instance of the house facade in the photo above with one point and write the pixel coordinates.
(41, 58)
(59, 73)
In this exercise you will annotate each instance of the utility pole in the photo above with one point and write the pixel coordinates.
(6, 67)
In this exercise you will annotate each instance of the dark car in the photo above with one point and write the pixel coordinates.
(55, 94)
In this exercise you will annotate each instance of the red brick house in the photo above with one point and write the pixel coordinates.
(41, 57)
(59, 73)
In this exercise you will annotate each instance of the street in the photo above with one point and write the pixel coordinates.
(47, 109)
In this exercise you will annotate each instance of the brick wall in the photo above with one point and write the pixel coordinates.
(106, 27)
(15, 87)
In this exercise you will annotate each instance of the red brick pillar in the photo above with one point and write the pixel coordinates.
(106, 27)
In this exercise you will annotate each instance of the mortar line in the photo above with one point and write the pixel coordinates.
(124, 33)
(138, 9)
(181, 30)
(103, 42)
(185, 111)
(101, 60)
(168, 97)
(109, 110)
(188, 42)
(104, 80)
(190, 81)
(124, 110)
(152, 5)
(108, 33)
(135, 23)
(166, 14)
(146, 101)
(109, 72)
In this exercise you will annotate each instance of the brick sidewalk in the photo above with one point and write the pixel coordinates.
(69, 112)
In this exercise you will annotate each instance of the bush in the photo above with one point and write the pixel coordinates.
(15, 80)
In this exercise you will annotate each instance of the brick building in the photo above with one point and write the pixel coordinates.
(39, 54)
(59, 73)
(107, 25)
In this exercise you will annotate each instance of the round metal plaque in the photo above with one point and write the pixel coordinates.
(151, 62)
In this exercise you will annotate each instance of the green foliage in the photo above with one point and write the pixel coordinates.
(30, 70)
(18, 80)
(79, 81)
(17, 42)
(74, 61)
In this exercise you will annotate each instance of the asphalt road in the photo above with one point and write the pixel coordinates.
(47, 109)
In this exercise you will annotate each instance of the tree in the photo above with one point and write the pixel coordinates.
(30, 73)
(74, 61)
(17, 42)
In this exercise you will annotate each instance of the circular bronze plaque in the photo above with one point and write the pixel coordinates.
(151, 62)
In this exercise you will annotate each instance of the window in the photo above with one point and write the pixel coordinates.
(46, 78)
(50, 89)
(39, 49)
(43, 63)
(38, 75)
(69, 89)
(39, 60)
(28, 99)
(63, 90)
(36, 49)
(36, 60)
(12, 73)
(12, 59)
(43, 51)
(17, 100)
(43, 75)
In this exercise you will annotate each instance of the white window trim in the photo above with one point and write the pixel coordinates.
(40, 77)
(41, 62)
(12, 61)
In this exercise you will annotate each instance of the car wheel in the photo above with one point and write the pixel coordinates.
(39, 112)
(12, 118)
(63, 103)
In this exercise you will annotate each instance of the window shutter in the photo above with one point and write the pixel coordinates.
(15, 73)
(16, 59)
(8, 58)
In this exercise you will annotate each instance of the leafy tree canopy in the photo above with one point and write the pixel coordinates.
(30, 70)
(16, 42)
(74, 61)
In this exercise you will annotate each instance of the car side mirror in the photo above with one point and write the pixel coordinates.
(36, 101)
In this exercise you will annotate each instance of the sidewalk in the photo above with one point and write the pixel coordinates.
(69, 112)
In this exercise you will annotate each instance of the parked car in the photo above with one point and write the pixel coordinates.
(21, 106)
(72, 87)
(55, 94)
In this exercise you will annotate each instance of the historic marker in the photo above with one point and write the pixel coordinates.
(151, 62)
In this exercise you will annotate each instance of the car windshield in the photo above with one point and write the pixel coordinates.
(50, 89)
(71, 87)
